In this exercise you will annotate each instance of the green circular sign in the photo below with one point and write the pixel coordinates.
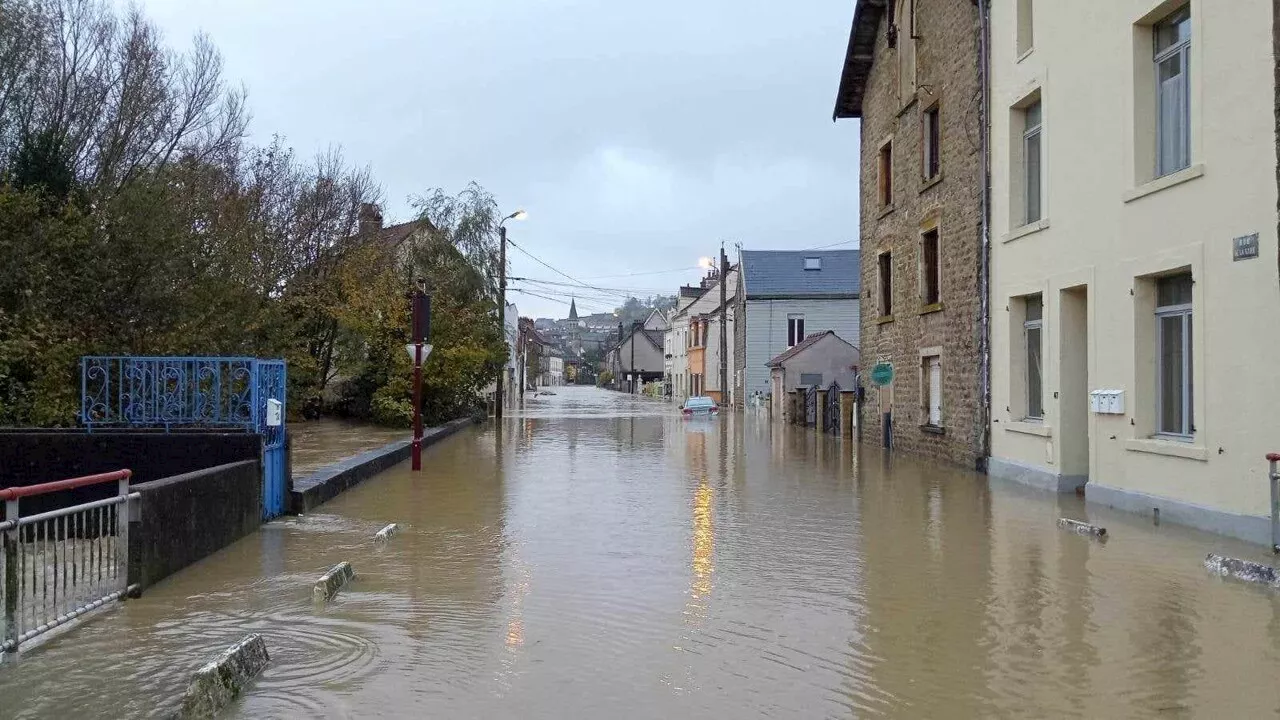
(882, 374)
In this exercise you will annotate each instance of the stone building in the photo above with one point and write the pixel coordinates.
(911, 76)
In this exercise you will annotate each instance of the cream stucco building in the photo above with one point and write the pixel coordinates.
(1134, 254)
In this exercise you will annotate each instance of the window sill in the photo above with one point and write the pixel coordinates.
(885, 210)
(1025, 230)
(1025, 54)
(884, 319)
(929, 183)
(931, 308)
(1029, 427)
(1171, 448)
(1164, 182)
(933, 430)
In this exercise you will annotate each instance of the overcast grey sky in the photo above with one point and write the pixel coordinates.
(637, 135)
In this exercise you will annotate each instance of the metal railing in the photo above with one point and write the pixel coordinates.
(1273, 477)
(61, 564)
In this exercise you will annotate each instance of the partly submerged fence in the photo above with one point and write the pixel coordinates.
(62, 564)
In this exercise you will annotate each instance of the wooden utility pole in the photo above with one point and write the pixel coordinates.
(498, 397)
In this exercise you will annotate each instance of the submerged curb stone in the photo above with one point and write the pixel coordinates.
(331, 582)
(1245, 570)
(1080, 528)
(220, 681)
(386, 532)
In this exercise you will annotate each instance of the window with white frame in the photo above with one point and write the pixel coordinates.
(931, 385)
(1173, 92)
(932, 155)
(795, 330)
(1032, 143)
(1174, 396)
(1033, 334)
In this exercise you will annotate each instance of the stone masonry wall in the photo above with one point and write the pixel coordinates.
(947, 72)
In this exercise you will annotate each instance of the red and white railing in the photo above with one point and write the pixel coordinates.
(61, 564)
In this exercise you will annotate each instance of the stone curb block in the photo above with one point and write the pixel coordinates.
(1245, 570)
(1080, 528)
(221, 681)
(331, 582)
(386, 532)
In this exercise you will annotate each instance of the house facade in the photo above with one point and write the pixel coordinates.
(782, 298)
(697, 333)
(637, 358)
(912, 77)
(676, 342)
(1135, 293)
(818, 361)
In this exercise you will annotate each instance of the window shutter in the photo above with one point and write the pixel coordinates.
(935, 391)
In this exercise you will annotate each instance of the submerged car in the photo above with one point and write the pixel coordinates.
(703, 406)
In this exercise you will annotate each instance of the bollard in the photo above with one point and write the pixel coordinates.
(1245, 570)
(220, 681)
(1273, 474)
(386, 532)
(1080, 528)
(331, 582)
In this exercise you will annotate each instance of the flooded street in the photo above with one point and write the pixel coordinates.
(599, 556)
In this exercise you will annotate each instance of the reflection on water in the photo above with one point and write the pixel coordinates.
(599, 556)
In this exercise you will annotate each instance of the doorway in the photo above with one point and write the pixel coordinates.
(1073, 363)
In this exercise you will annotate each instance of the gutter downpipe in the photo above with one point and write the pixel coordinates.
(984, 269)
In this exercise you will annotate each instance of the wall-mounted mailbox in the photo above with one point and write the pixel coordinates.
(1107, 402)
(275, 413)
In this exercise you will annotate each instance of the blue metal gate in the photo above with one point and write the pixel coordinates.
(185, 392)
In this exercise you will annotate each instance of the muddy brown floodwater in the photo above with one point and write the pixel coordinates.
(601, 557)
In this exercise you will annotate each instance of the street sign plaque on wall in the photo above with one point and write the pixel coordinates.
(882, 374)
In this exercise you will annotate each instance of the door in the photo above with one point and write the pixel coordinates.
(935, 392)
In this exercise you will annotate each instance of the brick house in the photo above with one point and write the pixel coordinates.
(911, 76)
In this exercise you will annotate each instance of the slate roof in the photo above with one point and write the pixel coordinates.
(858, 57)
(804, 345)
(780, 274)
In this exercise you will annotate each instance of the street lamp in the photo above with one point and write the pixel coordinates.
(418, 351)
(502, 305)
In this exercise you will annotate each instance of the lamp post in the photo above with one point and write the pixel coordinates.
(502, 305)
(419, 350)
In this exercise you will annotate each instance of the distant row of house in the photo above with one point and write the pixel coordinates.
(765, 306)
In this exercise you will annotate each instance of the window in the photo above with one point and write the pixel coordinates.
(932, 143)
(930, 270)
(885, 174)
(1026, 37)
(1173, 97)
(811, 379)
(813, 263)
(795, 330)
(1031, 144)
(931, 384)
(886, 284)
(1173, 356)
(1033, 333)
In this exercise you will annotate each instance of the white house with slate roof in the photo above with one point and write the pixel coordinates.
(783, 297)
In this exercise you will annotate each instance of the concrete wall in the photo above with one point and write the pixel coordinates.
(188, 517)
(30, 457)
(894, 107)
(766, 331)
(1109, 230)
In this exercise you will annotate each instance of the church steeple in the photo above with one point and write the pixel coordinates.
(573, 309)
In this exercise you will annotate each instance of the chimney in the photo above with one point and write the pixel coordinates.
(370, 218)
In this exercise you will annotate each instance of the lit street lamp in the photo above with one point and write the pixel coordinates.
(418, 351)
(502, 305)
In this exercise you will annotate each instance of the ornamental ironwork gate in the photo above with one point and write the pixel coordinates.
(831, 416)
(231, 393)
(811, 406)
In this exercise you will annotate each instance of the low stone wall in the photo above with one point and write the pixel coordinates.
(326, 483)
(188, 517)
